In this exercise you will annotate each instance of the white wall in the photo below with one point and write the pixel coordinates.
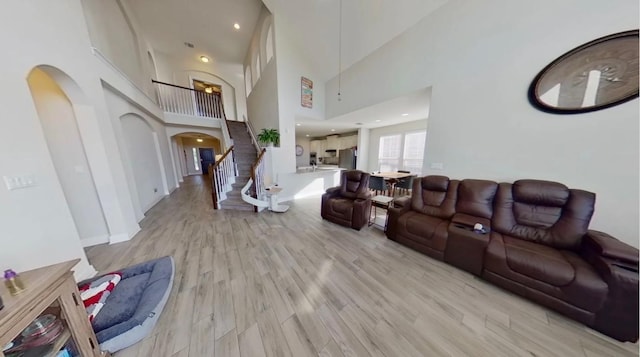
(374, 140)
(113, 33)
(291, 66)
(303, 160)
(480, 58)
(142, 138)
(69, 158)
(262, 103)
(142, 156)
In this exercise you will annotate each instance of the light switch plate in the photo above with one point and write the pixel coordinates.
(16, 182)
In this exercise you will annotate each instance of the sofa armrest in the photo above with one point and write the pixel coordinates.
(597, 243)
(364, 195)
(402, 202)
(333, 191)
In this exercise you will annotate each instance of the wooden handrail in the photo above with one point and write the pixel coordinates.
(181, 87)
(256, 163)
(252, 133)
(257, 181)
(224, 156)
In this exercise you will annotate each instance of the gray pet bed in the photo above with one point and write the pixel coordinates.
(134, 306)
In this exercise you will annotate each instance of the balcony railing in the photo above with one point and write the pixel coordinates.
(187, 101)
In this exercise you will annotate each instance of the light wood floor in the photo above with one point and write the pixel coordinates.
(293, 285)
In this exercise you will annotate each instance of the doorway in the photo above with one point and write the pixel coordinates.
(208, 98)
(207, 157)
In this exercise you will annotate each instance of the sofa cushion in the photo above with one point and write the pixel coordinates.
(426, 230)
(539, 262)
(475, 198)
(561, 274)
(434, 196)
(342, 207)
(543, 212)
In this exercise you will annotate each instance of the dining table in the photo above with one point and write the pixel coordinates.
(392, 178)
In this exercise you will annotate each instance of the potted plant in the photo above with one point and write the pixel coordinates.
(269, 136)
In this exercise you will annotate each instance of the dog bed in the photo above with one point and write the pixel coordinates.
(134, 306)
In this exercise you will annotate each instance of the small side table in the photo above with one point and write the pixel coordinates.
(272, 193)
(380, 201)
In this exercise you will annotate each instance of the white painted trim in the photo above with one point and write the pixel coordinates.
(122, 237)
(91, 241)
(84, 270)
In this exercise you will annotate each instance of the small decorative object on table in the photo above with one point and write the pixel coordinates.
(13, 282)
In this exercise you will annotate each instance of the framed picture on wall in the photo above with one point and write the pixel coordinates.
(307, 92)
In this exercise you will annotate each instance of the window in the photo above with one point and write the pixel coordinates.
(402, 152)
(257, 69)
(195, 159)
(389, 153)
(247, 80)
(269, 44)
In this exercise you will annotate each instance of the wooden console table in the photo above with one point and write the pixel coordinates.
(44, 286)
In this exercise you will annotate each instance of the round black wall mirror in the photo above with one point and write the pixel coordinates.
(597, 75)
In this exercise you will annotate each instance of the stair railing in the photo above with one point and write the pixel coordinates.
(188, 101)
(222, 177)
(257, 176)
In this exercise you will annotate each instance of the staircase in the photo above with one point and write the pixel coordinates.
(245, 155)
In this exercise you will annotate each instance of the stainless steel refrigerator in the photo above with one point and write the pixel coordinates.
(348, 158)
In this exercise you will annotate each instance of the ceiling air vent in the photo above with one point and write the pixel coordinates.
(189, 44)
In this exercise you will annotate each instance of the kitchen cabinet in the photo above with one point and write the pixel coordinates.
(333, 142)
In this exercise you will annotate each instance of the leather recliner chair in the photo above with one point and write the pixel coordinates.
(350, 203)
(422, 223)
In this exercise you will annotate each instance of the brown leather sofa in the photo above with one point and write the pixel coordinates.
(348, 204)
(536, 244)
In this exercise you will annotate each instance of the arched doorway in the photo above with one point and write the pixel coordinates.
(194, 152)
(57, 97)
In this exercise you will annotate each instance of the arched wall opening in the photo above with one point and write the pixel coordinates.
(194, 151)
(60, 104)
(142, 154)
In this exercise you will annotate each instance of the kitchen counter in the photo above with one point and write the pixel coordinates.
(319, 168)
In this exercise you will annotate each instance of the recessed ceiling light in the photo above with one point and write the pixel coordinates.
(298, 124)
(199, 140)
(405, 114)
(358, 123)
(377, 121)
(307, 135)
(333, 129)
(236, 26)
(204, 59)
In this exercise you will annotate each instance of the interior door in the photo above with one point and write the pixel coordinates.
(206, 158)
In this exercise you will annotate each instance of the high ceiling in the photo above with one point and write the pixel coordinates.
(208, 24)
(367, 25)
(411, 107)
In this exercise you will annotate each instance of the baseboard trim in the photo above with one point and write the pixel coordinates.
(90, 242)
(83, 270)
(119, 238)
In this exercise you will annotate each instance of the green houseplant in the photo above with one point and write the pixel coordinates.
(269, 136)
